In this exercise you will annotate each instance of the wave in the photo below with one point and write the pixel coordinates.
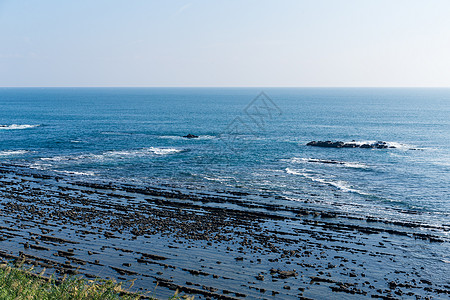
(115, 133)
(391, 145)
(342, 185)
(442, 163)
(115, 154)
(87, 173)
(144, 152)
(13, 152)
(355, 165)
(40, 166)
(16, 126)
(177, 137)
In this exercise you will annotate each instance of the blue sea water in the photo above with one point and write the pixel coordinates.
(248, 142)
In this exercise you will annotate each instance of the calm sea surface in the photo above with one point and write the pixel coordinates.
(247, 142)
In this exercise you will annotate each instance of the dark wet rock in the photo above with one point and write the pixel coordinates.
(193, 291)
(153, 256)
(57, 240)
(328, 215)
(340, 144)
(331, 266)
(123, 271)
(191, 136)
(320, 279)
(208, 288)
(196, 272)
(328, 144)
(65, 253)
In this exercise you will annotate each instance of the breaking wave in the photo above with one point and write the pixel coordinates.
(110, 155)
(355, 165)
(394, 145)
(12, 152)
(340, 184)
(88, 173)
(16, 126)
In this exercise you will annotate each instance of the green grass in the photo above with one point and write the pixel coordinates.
(20, 283)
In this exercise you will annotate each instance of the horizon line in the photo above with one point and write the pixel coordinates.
(312, 87)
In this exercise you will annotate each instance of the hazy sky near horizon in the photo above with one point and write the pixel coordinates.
(225, 43)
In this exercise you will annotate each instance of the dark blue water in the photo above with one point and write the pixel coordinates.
(134, 135)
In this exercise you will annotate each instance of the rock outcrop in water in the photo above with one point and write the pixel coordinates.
(352, 144)
(191, 136)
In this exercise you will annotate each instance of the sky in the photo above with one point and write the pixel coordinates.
(232, 43)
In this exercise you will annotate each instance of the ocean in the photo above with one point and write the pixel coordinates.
(251, 141)
(136, 135)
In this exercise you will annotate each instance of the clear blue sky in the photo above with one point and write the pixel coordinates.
(225, 43)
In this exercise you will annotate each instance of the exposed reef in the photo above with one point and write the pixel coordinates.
(352, 144)
(221, 245)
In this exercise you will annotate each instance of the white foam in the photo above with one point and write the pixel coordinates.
(171, 137)
(212, 179)
(56, 158)
(220, 179)
(115, 154)
(142, 152)
(13, 152)
(88, 173)
(40, 166)
(205, 137)
(396, 145)
(17, 126)
(355, 165)
(163, 151)
(342, 185)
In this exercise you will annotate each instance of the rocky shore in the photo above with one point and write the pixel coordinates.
(216, 245)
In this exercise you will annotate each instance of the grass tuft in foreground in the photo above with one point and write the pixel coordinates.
(21, 283)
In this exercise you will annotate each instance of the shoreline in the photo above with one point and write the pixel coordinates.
(218, 246)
